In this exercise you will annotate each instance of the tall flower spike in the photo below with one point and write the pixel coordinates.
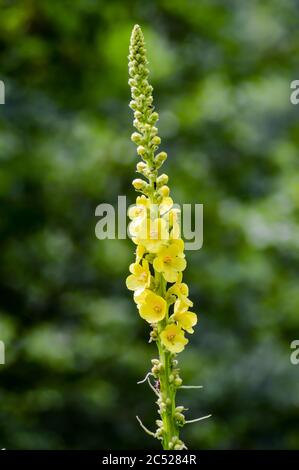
(156, 276)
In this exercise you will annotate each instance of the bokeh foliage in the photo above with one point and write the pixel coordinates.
(75, 346)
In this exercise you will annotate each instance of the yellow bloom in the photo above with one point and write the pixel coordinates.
(173, 338)
(140, 250)
(152, 307)
(152, 234)
(185, 319)
(179, 243)
(165, 205)
(139, 296)
(173, 218)
(181, 290)
(140, 277)
(140, 209)
(169, 261)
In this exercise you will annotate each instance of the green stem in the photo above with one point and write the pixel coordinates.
(167, 387)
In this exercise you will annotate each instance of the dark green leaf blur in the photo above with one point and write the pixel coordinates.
(75, 345)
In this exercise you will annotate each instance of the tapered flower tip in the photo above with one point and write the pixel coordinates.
(136, 33)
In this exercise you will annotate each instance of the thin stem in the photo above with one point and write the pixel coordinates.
(167, 388)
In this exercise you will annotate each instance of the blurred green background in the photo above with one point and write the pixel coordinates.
(75, 346)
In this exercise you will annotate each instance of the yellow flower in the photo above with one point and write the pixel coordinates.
(140, 209)
(173, 338)
(165, 205)
(169, 261)
(139, 296)
(152, 234)
(179, 243)
(181, 290)
(152, 307)
(140, 250)
(140, 277)
(185, 319)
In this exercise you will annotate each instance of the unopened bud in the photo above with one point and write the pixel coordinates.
(136, 137)
(132, 82)
(160, 159)
(154, 117)
(164, 191)
(141, 167)
(139, 184)
(162, 180)
(156, 140)
(179, 409)
(155, 361)
(140, 150)
(178, 381)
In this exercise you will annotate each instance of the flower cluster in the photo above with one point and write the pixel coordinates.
(155, 221)
(161, 297)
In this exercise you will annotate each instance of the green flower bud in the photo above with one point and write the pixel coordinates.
(179, 409)
(139, 184)
(160, 159)
(178, 381)
(153, 118)
(136, 137)
(156, 140)
(155, 362)
(164, 191)
(141, 150)
(162, 180)
(142, 168)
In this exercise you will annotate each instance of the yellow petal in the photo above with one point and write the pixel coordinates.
(173, 338)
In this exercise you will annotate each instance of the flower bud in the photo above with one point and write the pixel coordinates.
(132, 82)
(140, 150)
(178, 381)
(139, 184)
(156, 140)
(136, 137)
(160, 159)
(155, 371)
(141, 167)
(154, 118)
(155, 362)
(162, 180)
(164, 191)
(179, 409)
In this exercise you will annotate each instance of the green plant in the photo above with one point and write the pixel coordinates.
(156, 275)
